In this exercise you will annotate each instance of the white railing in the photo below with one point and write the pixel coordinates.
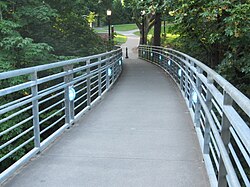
(38, 103)
(219, 111)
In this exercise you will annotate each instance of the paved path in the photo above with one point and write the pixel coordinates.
(139, 135)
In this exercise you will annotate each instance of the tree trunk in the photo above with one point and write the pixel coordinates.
(1, 14)
(157, 29)
(98, 21)
(148, 24)
(216, 56)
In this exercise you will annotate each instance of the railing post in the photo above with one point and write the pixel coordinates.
(186, 82)
(225, 136)
(151, 55)
(148, 55)
(113, 68)
(159, 56)
(69, 105)
(181, 79)
(191, 89)
(107, 76)
(197, 114)
(143, 52)
(88, 84)
(120, 67)
(35, 111)
(207, 125)
(99, 77)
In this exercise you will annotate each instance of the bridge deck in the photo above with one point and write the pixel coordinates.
(140, 134)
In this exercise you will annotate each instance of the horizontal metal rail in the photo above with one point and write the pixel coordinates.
(219, 111)
(51, 97)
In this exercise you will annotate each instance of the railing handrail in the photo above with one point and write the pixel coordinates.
(242, 100)
(220, 128)
(23, 71)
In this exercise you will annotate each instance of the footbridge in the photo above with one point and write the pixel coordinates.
(159, 118)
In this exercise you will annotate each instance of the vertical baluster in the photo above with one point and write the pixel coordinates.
(99, 77)
(113, 60)
(170, 67)
(207, 125)
(197, 114)
(120, 68)
(191, 90)
(107, 76)
(69, 105)
(35, 110)
(225, 135)
(186, 81)
(181, 81)
(148, 55)
(88, 84)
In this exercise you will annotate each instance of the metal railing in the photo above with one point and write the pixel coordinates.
(219, 111)
(38, 103)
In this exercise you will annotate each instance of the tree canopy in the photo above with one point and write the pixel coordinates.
(34, 32)
(215, 32)
(218, 33)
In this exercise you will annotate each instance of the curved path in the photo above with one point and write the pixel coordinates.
(139, 135)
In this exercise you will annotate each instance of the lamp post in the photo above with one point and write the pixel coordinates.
(143, 25)
(108, 18)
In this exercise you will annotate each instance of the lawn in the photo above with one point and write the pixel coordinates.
(120, 39)
(151, 32)
(165, 40)
(123, 27)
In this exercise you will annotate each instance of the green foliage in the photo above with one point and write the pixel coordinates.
(34, 32)
(120, 13)
(16, 51)
(217, 33)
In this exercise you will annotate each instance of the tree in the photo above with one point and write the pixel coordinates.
(217, 32)
(137, 8)
(153, 16)
(34, 32)
(120, 13)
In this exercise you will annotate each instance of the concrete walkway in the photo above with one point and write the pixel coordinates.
(139, 135)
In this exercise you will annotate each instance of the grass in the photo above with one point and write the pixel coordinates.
(101, 30)
(165, 40)
(137, 33)
(120, 39)
(122, 27)
(151, 32)
(125, 27)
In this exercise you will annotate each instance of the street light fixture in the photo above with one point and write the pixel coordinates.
(109, 12)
